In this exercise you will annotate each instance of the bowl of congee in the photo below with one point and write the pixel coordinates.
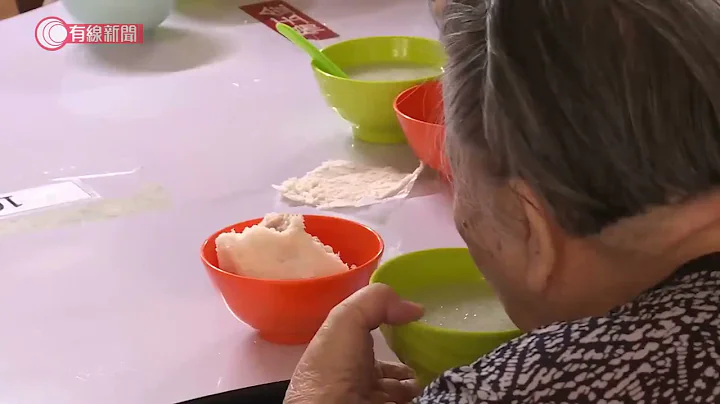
(378, 69)
(463, 318)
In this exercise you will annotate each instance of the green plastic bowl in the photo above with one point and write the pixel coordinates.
(432, 350)
(368, 105)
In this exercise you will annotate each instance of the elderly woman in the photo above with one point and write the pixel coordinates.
(584, 136)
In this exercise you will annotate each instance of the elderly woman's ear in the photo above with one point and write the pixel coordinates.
(437, 7)
(544, 238)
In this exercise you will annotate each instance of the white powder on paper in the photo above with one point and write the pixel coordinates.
(277, 248)
(339, 183)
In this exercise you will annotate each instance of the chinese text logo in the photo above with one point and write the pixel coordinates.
(52, 33)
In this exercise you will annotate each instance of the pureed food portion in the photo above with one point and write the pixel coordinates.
(277, 248)
(464, 307)
(392, 72)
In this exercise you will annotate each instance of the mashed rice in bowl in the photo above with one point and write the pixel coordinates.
(277, 248)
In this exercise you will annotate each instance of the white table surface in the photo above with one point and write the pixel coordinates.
(213, 112)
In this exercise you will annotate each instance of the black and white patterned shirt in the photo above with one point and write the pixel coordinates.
(664, 347)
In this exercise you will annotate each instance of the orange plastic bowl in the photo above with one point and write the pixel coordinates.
(291, 311)
(420, 112)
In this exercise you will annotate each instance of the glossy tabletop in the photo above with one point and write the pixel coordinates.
(184, 134)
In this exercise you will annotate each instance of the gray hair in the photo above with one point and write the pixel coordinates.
(606, 108)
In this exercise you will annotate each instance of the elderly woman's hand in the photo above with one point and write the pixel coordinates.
(339, 365)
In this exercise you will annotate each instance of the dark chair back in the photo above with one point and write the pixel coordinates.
(27, 5)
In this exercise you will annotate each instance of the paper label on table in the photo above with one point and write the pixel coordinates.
(149, 198)
(25, 200)
(273, 12)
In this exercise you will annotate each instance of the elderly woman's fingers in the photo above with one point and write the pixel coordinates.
(400, 391)
(391, 370)
(380, 397)
(371, 306)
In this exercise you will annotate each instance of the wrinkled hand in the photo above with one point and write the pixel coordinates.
(339, 365)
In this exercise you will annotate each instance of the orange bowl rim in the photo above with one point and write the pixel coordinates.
(375, 258)
(404, 95)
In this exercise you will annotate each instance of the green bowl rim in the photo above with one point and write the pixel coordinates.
(426, 327)
(365, 38)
